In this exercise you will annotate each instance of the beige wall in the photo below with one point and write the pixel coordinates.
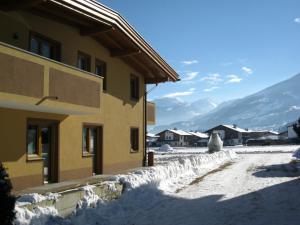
(118, 113)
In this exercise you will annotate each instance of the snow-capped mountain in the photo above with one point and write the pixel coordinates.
(267, 109)
(170, 110)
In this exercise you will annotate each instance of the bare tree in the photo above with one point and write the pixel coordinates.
(7, 200)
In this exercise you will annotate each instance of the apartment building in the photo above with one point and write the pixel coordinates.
(73, 78)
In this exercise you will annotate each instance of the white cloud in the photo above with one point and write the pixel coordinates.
(189, 62)
(178, 94)
(233, 79)
(213, 78)
(190, 76)
(297, 20)
(247, 70)
(210, 89)
(192, 89)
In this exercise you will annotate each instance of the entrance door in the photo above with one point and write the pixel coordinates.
(96, 138)
(92, 144)
(47, 131)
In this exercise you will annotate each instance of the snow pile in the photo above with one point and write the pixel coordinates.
(165, 148)
(90, 199)
(38, 216)
(176, 173)
(35, 198)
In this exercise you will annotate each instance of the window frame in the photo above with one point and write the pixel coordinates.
(37, 153)
(102, 63)
(134, 147)
(42, 38)
(134, 94)
(88, 152)
(89, 60)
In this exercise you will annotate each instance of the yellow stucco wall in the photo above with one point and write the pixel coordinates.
(118, 113)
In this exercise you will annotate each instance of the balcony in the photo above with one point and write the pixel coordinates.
(150, 113)
(32, 82)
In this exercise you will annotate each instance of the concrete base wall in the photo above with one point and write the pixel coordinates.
(68, 201)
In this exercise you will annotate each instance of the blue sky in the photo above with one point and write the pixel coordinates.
(221, 49)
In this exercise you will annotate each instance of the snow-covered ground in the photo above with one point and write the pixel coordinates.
(220, 188)
(162, 157)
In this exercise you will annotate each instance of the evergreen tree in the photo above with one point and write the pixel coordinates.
(296, 127)
(7, 201)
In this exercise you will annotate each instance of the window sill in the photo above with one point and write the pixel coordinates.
(134, 151)
(34, 158)
(87, 154)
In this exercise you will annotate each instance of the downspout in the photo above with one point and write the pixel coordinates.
(145, 123)
(145, 128)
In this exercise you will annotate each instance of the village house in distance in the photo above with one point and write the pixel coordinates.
(180, 138)
(231, 135)
(73, 78)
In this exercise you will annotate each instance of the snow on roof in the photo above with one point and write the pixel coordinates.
(151, 135)
(236, 128)
(180, 132)
(199, 134)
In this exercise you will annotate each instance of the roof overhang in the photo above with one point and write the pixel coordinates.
(106, 26)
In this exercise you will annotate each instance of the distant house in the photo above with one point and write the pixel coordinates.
(175, 138)
(151, 139)
(198, 139)
(261, 135)
(230, 134)
(283, 135)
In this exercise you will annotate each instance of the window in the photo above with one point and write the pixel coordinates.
(44, 46)
(134, 87)
(84, 61)
(32, 140)
(89, 139)
(134, 139)
(100, 69)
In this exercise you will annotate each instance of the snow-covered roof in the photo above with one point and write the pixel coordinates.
(152, 135)
(180, 132)
(199, 134)
(264, 131)
(236, 128)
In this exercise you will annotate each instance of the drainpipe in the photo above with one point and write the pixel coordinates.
(145, 123)
(145, 129)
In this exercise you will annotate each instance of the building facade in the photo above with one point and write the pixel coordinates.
(73, 77)
(230, 134)
(198, 139)
(174, 138)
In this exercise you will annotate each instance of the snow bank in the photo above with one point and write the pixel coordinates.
(35, 198)
(176, 173)
(90, 199)
(38, 216)
(141, 186)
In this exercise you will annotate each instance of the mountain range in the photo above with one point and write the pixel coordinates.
(270, 109)
(170, 110)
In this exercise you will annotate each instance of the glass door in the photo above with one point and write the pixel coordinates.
(46, 152)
